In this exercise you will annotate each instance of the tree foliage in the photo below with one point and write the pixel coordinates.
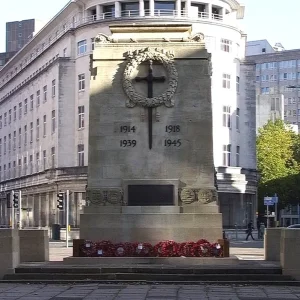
(278, 162)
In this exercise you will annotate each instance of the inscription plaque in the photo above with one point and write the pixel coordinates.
(149, 195)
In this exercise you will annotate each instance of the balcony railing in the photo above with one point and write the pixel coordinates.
(136, 13)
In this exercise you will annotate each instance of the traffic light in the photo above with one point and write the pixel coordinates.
(60, 201)
(15, 199)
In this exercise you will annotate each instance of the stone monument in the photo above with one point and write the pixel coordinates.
(151, 170)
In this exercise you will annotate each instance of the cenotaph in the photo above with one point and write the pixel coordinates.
(151, 170)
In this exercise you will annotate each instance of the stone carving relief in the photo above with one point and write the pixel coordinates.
(102, 38)
(187, 196)
(206, 196)
(105, 196)
(202, 196)
(134, 60)
(198, 38)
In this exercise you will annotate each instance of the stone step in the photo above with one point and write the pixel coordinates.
(267, 282)
(148, 270)
(140, 277)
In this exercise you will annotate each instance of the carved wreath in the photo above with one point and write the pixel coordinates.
(134, 60)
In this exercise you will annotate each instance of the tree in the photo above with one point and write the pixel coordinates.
(278, 157)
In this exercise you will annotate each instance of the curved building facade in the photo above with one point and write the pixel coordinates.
(44, 105)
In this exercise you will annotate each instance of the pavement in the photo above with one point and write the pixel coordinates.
(145, 292)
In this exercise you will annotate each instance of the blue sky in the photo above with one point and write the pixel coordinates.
(273, 20)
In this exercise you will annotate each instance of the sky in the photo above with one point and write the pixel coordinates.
(264, 19)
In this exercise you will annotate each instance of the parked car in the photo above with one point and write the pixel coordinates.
(294, 226)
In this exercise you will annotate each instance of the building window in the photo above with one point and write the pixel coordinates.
(45, 93)
(4, 145)
(265, 90)
(24, 166)
(53, 157)
(237, 84)
(37, 129)
(226, 116)
(44, 125)
(53, 88)
(81, 155)
(20, 110)
(9, 170)
(14, 141)
(30, 164)
(80, 116)
(15, 113)
(53, 121)
(237, 121)
(20, 166)
(4, 172)
(65, 52)
(25, 106)
(38, 98)
(9, 142)
(81, 82)
(226, 45)
(9, 116)
(5, 119)
(226, 155)
(81, 47)
(0, 147)
(44, 159)
(25, 135)
(31, 102)
(14, 169)
(237, 156)
(37, 161)
(226, 81)
(20, 137)
(31, 132)
(0, 122)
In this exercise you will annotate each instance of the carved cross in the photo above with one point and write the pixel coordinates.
(150, 79)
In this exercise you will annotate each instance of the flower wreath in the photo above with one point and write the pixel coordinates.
(135, 59)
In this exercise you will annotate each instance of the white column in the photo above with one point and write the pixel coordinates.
(223, 13)
(178, 8)
(142, 8)
(188, 8)
(117, 9)
(151, 7)
(98, 12)
(209, 11)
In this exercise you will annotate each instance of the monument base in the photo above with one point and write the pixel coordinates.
(140, 261)
(151, 224)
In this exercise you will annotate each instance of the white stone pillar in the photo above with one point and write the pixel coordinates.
(151, 7)
(117, 9)
(188, 8)
(223, 13)
(178, 8)
(142, 8)
(98, 12)
(209, 11)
